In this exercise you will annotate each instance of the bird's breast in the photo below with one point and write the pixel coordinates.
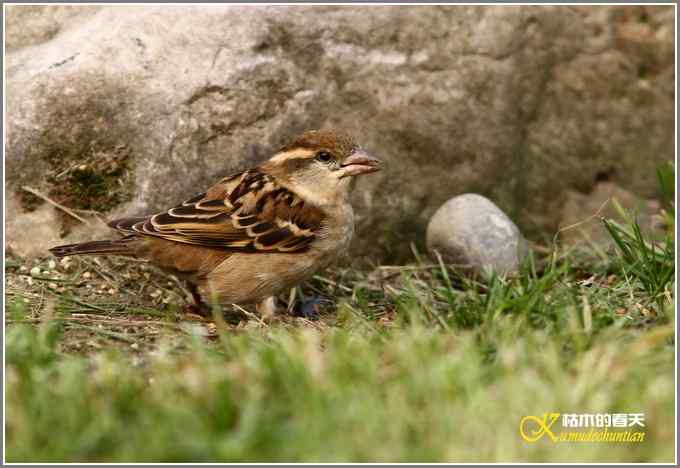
(337, 232)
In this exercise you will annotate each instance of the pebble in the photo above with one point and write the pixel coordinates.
(52, 264)
(471, 231)
(87, 275)
(35, 271)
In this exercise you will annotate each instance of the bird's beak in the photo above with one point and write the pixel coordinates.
(359, 162)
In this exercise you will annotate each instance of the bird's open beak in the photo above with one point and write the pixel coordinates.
(359, 162)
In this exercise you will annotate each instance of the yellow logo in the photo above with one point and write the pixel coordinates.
(538, 427)
(584, 427)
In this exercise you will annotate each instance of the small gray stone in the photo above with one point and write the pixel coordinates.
(471, 231)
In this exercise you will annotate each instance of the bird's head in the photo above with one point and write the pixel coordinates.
(319, 165)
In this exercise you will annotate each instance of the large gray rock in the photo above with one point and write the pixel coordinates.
(472, 233)
(131, 109)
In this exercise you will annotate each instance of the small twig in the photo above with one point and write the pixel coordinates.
(68, 169)
(92, 212)
(98, 270)
(127, 323)
(66, 210)
(423, 267)
(332, 283)
(55, 280)
(107, 333)
(249, 314)
(582, 222)
(85, 318)
(82, 304)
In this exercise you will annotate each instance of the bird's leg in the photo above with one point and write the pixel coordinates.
(199, 307)
(268, 307)
(307, 308)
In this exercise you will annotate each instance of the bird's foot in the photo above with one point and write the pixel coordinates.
(310, 308)
(201, 309)
(199, 306)
(269, 308)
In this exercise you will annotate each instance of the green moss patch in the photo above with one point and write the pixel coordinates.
(98, 183)
(81, 156)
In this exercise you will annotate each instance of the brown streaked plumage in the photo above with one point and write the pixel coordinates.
(256, 233)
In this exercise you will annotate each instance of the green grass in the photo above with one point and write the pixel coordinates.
(411, 363)
(408, 395)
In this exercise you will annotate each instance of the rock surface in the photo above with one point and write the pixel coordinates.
(518, 103)
(475, 235)
(581, 221)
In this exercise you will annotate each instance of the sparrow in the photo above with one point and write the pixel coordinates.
(253, 234)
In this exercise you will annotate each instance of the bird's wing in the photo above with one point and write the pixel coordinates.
(247, 212)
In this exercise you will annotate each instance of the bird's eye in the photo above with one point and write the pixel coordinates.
(324, 156)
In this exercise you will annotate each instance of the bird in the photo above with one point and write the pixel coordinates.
(253, 234)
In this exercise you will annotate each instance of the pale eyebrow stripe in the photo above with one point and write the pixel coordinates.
(300, 153)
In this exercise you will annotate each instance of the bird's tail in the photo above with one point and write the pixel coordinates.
(103, 247)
